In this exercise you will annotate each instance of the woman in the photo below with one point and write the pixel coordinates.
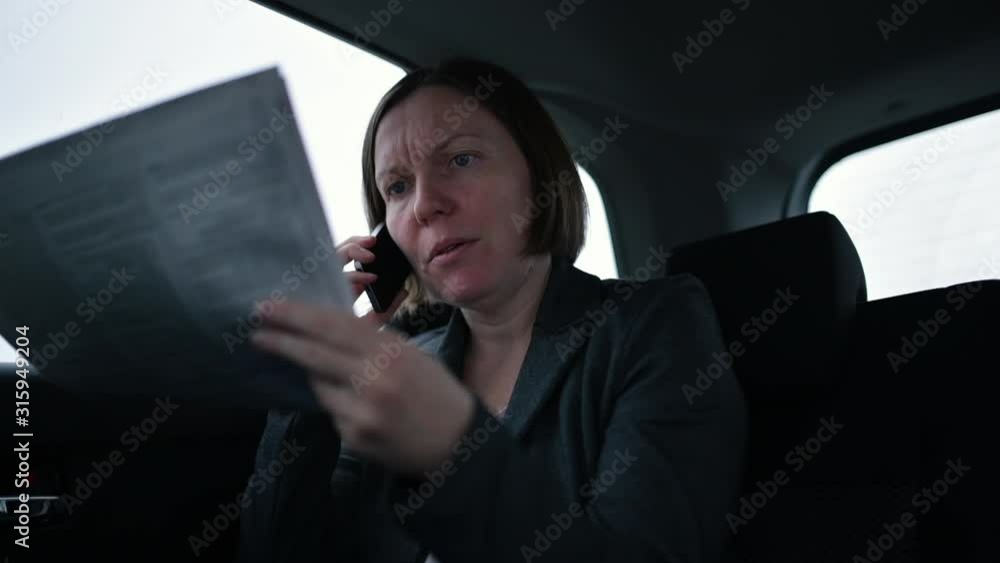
(534, 412)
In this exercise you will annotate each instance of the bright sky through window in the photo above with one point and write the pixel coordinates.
(922, 210)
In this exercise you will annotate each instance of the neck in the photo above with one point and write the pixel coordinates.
(506, 319)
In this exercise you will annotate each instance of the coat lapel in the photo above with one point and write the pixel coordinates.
(569, 294)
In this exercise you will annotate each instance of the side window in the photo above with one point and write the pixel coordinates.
(921, 210)
(87, 63)
(598, 255)
(138, 57)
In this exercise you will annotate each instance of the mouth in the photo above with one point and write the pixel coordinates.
(447, 249)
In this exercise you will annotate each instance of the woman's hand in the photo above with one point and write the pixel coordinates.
(389, 400)
(357, 248)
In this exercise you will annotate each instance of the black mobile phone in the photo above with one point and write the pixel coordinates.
(391, 267)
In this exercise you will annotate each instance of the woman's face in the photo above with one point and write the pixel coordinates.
(450, 175)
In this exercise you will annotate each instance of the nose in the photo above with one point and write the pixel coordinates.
(430, 200)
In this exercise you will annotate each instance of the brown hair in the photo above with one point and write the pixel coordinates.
(557, 215)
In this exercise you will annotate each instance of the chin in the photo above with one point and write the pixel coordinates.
(463, 286)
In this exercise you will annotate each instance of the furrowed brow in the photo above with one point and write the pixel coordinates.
(445, 143)
(395, 169)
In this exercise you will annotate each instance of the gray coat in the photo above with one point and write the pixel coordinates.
(604, 453)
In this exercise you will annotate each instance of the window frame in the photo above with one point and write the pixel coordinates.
(797, 199)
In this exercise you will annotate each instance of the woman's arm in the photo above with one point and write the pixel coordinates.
(676, 466)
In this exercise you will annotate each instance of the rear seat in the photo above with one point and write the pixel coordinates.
(820, 503)
(802, 279)
(939, 374)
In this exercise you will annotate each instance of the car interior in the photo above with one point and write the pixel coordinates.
(717, 164)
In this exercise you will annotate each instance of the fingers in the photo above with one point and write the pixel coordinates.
(356, 248)
(340, 400)
(359, 280)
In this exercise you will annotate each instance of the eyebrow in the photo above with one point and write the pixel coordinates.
(381, 175)
(394, 169)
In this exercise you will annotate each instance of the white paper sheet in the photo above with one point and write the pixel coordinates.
(136, 249)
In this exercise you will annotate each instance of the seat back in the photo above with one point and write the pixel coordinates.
(785, 294)
(810, 492)
(749, 272)
(925, 363)
(906, 380)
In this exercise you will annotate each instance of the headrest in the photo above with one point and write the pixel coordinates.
(783, 291)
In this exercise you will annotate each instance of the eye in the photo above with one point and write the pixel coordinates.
(391, 190)
(463, 160)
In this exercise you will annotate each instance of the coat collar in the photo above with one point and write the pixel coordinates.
(569, 293)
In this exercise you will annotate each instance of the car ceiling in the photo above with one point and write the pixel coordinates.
(686, 128)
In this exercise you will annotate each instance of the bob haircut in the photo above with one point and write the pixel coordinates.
(557, 214)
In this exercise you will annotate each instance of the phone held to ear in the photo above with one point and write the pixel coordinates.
(391, 267)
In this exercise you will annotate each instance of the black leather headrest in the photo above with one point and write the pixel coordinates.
(784, 291)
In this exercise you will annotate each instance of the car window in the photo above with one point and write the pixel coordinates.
(597, 255)
(117, 56)
(921, 210)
